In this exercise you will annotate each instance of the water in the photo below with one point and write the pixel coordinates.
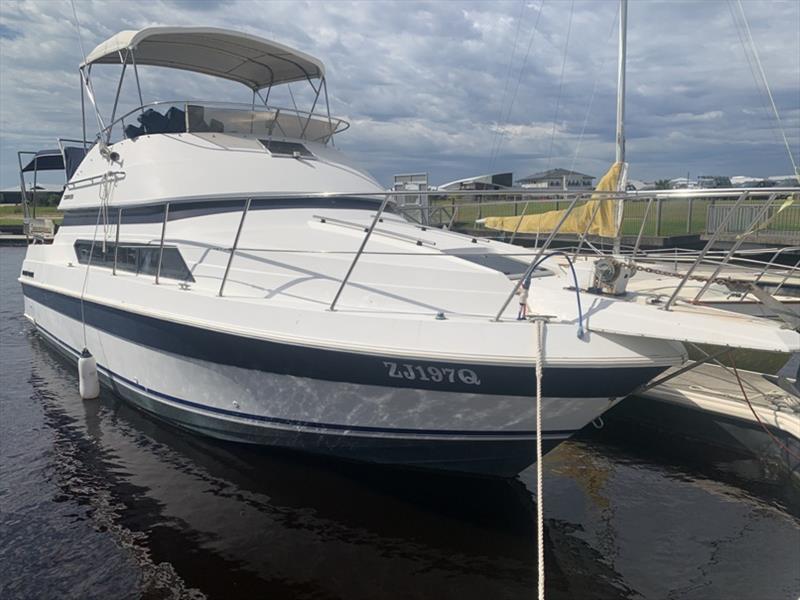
(99, 501)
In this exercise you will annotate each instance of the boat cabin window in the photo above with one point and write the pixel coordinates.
(278, 148)
(134, 258)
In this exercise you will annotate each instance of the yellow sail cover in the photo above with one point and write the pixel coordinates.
(604, 223)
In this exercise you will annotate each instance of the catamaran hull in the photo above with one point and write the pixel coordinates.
(473, 433)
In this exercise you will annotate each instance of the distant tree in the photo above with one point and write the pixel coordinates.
(662, 184)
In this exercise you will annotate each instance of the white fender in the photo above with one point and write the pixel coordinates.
(88, 381)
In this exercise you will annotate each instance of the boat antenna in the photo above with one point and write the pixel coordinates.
(796, 172)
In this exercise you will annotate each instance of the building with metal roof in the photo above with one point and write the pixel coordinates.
(562, 179)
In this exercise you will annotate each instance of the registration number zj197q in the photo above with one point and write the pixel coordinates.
(430, 373)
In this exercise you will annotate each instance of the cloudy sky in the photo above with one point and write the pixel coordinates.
(457, 88)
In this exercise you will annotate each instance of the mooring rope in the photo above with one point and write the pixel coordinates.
(539, 506)
(101, 211)
(775, 440)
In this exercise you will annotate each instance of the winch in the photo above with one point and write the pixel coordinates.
(605, 276)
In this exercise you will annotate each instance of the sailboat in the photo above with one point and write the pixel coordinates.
(645, 280)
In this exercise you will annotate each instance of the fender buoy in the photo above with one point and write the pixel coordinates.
(88, 381)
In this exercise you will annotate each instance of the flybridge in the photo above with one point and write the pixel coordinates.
(255, 62)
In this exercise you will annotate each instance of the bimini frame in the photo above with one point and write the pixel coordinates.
(250, 60)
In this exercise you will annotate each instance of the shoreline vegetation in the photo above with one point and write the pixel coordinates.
(12, 214)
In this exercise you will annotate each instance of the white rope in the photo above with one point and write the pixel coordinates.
(766, 86)
(539, 504)
(105, 192)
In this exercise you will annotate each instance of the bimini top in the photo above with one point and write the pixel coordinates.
(248, 59)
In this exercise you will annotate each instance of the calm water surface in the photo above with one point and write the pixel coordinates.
(99, 501)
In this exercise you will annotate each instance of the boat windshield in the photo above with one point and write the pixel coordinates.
(216, 117)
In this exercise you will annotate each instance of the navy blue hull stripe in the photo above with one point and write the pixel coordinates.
(188, 209)
(349, 367)
(115, 377)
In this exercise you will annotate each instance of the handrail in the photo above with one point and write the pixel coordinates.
(736, 245)
(161, 243)
(703, 252)
(107, 176)
(641, 229)
(235, 244)
(786, 277)
(538, 256)
(707, 256)
(116, 240)
(385, 232)
(358, 254)
(766, 268)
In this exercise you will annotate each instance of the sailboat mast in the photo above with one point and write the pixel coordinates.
(622, 183)
(623, 27)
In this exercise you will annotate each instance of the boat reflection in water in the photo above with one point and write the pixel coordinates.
(234, 520)
(265, 521)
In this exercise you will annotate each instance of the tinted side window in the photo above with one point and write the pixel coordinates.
(134, 258)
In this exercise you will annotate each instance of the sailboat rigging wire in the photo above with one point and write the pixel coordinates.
(508, 79)
(519, 81)
(78, 27)
(560, 84)
(591, 97)
(762, 96)
(796, 173)
(85, 82)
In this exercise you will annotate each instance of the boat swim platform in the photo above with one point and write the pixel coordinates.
(705, 405)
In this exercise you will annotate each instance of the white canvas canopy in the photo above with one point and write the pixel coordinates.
(248, 59)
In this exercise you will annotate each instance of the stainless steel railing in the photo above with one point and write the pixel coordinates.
(718, 260)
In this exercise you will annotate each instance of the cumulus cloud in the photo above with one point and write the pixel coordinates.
(429, 86)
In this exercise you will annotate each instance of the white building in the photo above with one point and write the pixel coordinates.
(561, 179)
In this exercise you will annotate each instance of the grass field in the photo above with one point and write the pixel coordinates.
(12, 214)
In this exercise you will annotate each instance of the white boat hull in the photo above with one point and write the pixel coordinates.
(475, 433)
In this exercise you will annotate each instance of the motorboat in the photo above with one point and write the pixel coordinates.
(235, 274)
